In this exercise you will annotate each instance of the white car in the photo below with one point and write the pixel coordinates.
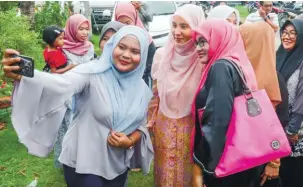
(159, 28)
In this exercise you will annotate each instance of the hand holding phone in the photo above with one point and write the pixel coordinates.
(26, 65)
(262, 12)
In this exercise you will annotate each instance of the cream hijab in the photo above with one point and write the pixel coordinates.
(223, 12)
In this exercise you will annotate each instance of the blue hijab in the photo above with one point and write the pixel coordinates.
(112, 25)
(128, 92)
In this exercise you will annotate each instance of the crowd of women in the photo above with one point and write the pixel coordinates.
(119, 123)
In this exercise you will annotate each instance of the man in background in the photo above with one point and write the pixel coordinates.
(264, 13)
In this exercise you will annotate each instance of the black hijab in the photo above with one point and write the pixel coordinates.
(289, 61)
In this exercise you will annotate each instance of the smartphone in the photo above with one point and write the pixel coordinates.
(26, 65)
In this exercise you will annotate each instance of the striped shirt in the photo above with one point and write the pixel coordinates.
(255, 17)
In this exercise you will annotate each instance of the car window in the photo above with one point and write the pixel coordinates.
(157, 8)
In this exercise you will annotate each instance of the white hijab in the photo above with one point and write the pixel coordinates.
(223, 12)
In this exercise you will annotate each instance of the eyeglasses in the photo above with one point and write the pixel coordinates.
(291, 35)
(201, 42)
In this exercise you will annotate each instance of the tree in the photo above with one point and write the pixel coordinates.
(70, 8)
(8, 5)
(28, 9)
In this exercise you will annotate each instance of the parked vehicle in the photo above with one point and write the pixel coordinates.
(101, 13)
(159, 28)
(285, 11)
(288, 10)
(181, 3)
(286, 14)
(235, 3)
(253, 6)
(278, 4)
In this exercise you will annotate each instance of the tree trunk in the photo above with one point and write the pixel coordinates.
(28, 9)
(70, 8)
(87, 13)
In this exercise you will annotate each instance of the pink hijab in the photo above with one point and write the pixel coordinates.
(128, 10)
(177, 69)
(71, 43)
(225, 42)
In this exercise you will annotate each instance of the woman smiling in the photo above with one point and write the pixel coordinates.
(108, 135)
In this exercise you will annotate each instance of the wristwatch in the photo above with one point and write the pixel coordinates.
(265, 18)
(132, 142)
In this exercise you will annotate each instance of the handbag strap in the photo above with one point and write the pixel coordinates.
(241, 74)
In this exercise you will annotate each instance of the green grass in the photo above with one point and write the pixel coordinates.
(18, 168)
(95, 40)
(243, 12)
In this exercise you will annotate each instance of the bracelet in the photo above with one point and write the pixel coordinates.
(273, 165)
(133, 143)
(277, 161)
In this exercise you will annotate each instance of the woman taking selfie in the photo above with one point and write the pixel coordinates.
(108, 134)
(78, 50)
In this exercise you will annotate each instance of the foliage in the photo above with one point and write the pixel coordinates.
(95, 40)
(50, 14)
(8, 5)
(15, 34)
(6, 88)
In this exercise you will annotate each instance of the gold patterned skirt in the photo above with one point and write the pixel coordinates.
(172, 165)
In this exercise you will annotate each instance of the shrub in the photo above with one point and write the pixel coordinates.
(8, 5)
(50, 14)
(15, 34)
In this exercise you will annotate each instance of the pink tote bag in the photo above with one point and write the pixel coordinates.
(255, 135)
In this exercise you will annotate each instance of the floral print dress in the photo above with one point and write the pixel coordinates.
(171, 140)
